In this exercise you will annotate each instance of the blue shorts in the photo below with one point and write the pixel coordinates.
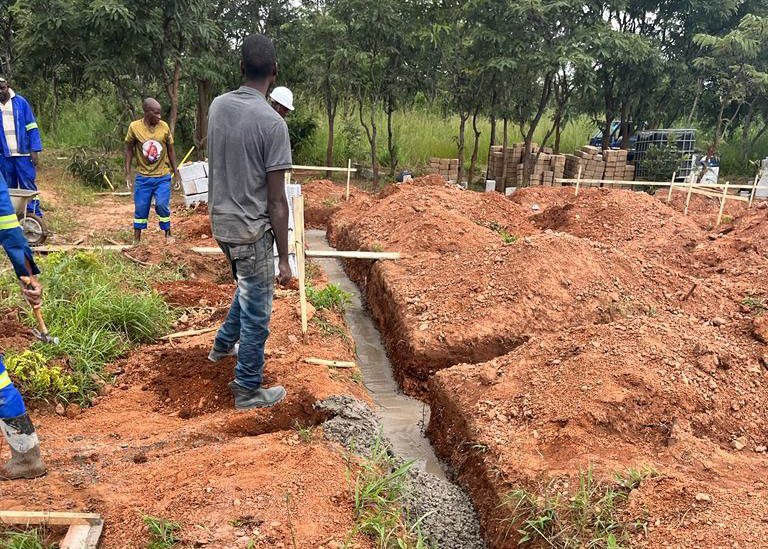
(144, 189)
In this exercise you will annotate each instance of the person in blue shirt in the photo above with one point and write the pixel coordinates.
(15, 422)
(19, 142)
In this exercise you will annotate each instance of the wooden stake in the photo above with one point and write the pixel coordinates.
(578, 181)
(754, 188)
(190, 333)
(69, 248)
(298, 235)
(111, 186)
(671, 185)
(349, 175)
(352, 254)
(330, 363)
(688, 198)
(722, 204)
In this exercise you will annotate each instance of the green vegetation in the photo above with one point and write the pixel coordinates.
(94, 169)
(659, 163)
(163, 534)
(306, 432)
(331, 298)
(505, 235)
(32, 539)
(98, 305)
(755, 303)
(590, 516)
(391, 84)
(379, 493)
(330, 328)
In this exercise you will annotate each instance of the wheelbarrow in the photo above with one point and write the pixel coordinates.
(34, 228)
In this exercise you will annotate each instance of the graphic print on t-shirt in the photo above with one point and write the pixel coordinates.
(152, 150)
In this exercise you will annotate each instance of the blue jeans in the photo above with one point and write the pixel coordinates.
(144, 189)
(253, 266)
(20, 173)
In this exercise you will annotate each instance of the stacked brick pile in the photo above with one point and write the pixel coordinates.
(616, 166)
(446, 167)
(597, 164)
(548, 167)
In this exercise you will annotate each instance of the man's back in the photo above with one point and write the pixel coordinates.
(246, 139)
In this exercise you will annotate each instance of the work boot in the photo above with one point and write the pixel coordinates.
(247, 399)
(216, 355)
(25, 459)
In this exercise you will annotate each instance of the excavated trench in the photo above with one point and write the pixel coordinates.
(447, 515)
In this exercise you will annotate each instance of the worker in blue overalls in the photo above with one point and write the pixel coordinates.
(15, 423)
(19, 143)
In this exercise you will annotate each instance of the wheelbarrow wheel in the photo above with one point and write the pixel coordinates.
(35, 229)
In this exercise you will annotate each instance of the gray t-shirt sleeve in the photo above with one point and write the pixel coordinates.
(277, 148)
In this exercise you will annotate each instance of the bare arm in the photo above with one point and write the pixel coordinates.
(128, 155)
(172, 156)
(278, 211)
(278, 217)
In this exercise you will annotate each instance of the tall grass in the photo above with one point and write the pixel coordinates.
(420, 135)
(32, 539)
(89, 123)
(98, 305)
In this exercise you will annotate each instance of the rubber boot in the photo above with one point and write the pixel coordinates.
(25, 459)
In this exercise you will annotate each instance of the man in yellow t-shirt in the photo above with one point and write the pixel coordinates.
(149, 140)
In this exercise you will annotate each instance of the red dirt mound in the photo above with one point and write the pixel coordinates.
(484, 302)
(322, 198)
(193, 224)
(195, 293)
(636, 391)
(14, 336)
(632, 220)
(703, 209)
(438, 219)
(179, 257)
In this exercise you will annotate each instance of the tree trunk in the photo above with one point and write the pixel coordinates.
(504, 145)
(745, 148)
(491, 143)
(330, 109)
(463, 117)
(201, 118)
(558, 132)
(475, 147)
(625, 125)
(7, 45)
(607, 131)
(391, 146)
(695, 103)
(719, 125)
(174, 96)
(374, 155)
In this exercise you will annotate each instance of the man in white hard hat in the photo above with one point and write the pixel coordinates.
(282, 100)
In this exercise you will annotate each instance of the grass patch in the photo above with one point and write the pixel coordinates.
(755, 303)
(32, 539)
(305, 432)
(587, 517)
(505, 235)
(163, 534)
(99, 305)
(331, 329)
(331, 297)
(380, 489)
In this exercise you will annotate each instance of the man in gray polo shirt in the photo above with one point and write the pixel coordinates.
(248, 153)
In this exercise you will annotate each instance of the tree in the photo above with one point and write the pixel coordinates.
(734, 66)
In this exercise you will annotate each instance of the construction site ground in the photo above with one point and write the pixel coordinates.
(550, 334)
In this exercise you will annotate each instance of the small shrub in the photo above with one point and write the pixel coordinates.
(755, 303)
(37, 377)
(90, 168)
(163, 534)
(331, 298)
(660, 162)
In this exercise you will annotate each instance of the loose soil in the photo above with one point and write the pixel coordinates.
(165, 440)
(613, 332)
(323, 198)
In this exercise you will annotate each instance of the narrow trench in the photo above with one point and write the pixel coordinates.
(403, 418)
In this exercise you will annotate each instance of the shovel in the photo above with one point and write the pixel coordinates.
(41, 332)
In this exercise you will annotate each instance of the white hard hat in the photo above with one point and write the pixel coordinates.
(284, 96)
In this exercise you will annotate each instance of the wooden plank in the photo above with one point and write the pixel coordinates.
(77, 537)
(754, 188)
(650, 183)
(330, 363)
(722, 204)
(54, 518)
(190, 333)
(353, 254)
(318, 253)
(671, 186)
(578, 181)
(349, 175)
(298, 235)
(324, 169)
(73, 247)
(688, 198)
